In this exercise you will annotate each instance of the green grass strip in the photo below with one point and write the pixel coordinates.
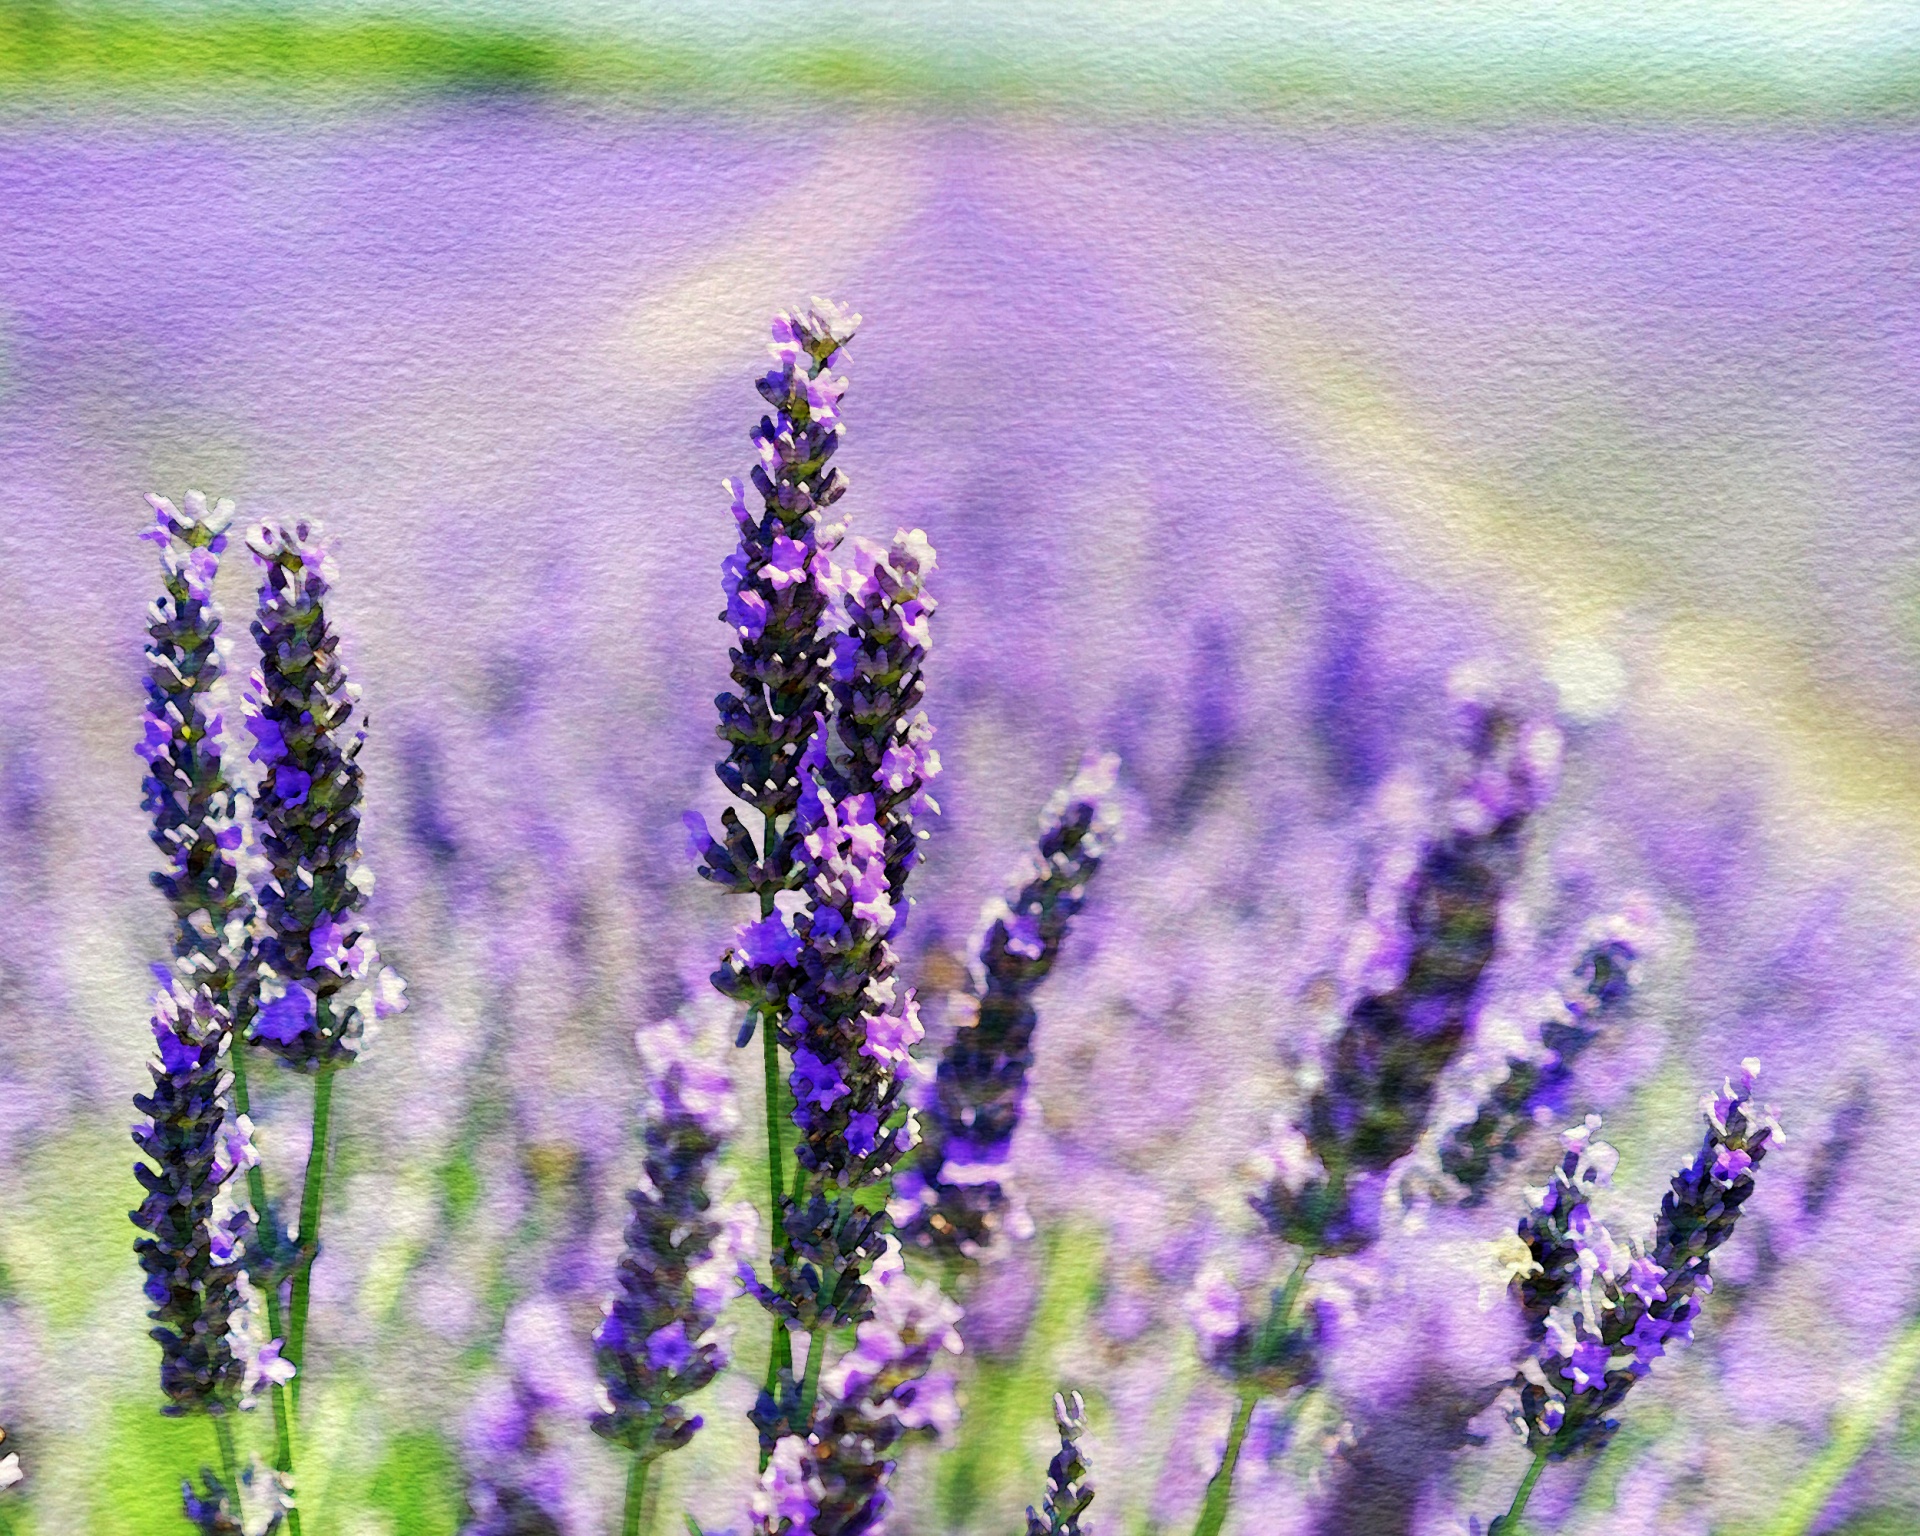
(1855, 1427)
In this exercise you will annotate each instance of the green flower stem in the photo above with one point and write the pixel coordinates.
(312, 1196)
(257, 1193)
(1213, 1512)
(780, 1350)
(633, 1519)
(1509, 1523)
(816, 1356)
(1854, 1429)
(229, 1461)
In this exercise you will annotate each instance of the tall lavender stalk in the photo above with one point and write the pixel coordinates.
(1599, 1312)
(659, 1343)
(1433, 930)
(320, 984)
(196, 1228)
(954, 1198)
(778, 590)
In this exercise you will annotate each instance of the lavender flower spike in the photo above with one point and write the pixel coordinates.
(1601, 1313)
(954, 1199)
(187, 789)
(778, 599)
(1409, 1021)
(189, 1256)
(1069, 1488)
(849, 1026)
(832, 1480)
(322, 985)
(658, 1344)
(1597, 991)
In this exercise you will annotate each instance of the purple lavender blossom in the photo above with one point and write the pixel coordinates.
(187, 790)
(1437, 928)
(1597, 992)
(1069, 1484)
(953, 1199)
(659, 1342)
(322, 984)
(832, 1481)
(189, 1254)
(778, 597)
(1600, 1319)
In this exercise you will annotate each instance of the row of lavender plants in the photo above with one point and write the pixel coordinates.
(889, 1190)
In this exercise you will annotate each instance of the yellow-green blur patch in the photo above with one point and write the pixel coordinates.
(418, 1486)
(61, 51)
(998, 1462)
(67, 1240)
(1856, 1424)
(148, 1456)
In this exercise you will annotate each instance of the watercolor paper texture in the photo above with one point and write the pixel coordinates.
(1442, 487)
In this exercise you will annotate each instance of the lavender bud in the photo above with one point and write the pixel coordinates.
(658, 1343)
(187, 789)
(1437, 934)
(954, 1198)
(1601, 1315)
(322, 985)
(1597, 992)
(1069, 1486)
(190, 1256)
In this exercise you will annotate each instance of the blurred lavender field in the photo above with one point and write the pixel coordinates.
(1234, 440)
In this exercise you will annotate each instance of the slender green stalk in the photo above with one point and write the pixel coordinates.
(1854, 1429)
(1509, 1523)
(312, 1196)
(816, 1356)
(1213, 1513)
(780, 1349)
(257, 1193)
(229, 1461)
(633, 1519)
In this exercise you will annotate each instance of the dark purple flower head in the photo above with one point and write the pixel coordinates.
(1431, 930)
(1069, 1480)
(954, 1199)
(1594, 994)
(777, 587)
(190, 1251)
(187, 790)
(1599, 1314)
(257, 1507)
(322, 982)
(659, 1342)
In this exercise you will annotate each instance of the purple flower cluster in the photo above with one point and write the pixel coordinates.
(1599, 1312)
(1593, 995)
(1069, 1485)
(187, 790)
(321, 982)
(832, 1480)
(954, 1199)
(658, 1343)
(523, 1482)
(191, 1251)
(778, 588)
(1431, 931)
